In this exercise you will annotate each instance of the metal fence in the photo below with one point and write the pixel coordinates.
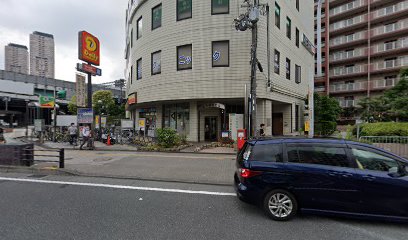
(395, 144)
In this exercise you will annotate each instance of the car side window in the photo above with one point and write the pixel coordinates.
(367, 160)
(267, 153)
(332, 156)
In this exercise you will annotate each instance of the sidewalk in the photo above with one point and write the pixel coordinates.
(123, 161)
(173, 167)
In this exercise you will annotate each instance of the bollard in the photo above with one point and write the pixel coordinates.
(61, 158)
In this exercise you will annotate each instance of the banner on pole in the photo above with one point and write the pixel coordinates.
(81, 94)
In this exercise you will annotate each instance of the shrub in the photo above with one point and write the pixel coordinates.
(325, 128)
(384, 129)
(167, 137)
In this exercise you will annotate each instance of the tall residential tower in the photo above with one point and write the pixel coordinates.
(42, 55)
(16, 58)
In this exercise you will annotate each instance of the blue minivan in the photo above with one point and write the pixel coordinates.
(322, 176)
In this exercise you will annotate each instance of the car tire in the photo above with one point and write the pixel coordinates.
(280, 205)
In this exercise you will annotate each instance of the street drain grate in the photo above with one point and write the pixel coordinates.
(37, 176)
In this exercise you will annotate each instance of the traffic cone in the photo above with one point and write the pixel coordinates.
(109, 141)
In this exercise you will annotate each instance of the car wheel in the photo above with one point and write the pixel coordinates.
(280, 205)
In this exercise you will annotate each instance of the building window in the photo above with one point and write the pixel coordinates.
(184, 9)
(156, 63)
(277, 61)
(277, 15)
(287, 68)
(288, 27)
(219, 7)
(297, 5)
(298, 74)
(184, 57)
(139, 69)
(297, 37)
(220, 54)
(177, 116)
(131, 38)
(131, 74)
(139, 28)
(157, 16)
(297, 111)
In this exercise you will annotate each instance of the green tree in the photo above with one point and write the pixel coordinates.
(391, 106)
(104, 103)
(326, 112)
(326, 108)
(397, 98)
(72, 105)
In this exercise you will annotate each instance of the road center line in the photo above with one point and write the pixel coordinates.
(117, 186)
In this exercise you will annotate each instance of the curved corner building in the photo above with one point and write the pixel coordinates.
(187, 66)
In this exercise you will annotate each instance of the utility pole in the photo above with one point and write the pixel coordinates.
(253, 73)
(246, 21)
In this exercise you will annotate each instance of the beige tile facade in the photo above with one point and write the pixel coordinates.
(206, 84)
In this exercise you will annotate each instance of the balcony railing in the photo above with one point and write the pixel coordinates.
(346, 87)
(348, 22)
(390, 28)
(347, 7)
(349, 38)
(347, 103)
(399, 7)
(384, 83)
(390, 64)
(343, 71)
(338, 56)
(320, 89)
(389, 46)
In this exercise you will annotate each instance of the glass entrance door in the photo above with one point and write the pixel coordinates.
(210, 128)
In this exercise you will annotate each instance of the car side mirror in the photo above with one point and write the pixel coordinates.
(395, 172)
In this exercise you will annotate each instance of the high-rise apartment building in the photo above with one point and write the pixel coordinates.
(42, 55)
(364, 46)
(16, 58)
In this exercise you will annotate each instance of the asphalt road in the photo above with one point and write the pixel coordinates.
(129, 209)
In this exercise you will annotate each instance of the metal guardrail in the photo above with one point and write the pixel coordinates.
(385, 139)
(60, 156)
(395, 144)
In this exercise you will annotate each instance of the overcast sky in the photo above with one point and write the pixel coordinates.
(64, 18)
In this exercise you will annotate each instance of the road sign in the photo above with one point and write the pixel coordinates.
(85, 115)
(81, 95)
(86, 68)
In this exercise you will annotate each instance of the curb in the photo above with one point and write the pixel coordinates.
(129, 150)
(76, 173)
(22, 169)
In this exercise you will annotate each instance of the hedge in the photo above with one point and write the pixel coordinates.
(384, 129)
(167, 137)
(325, 128)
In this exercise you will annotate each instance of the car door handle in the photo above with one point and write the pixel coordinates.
(369, 178)
(346, 174)
(333, 173)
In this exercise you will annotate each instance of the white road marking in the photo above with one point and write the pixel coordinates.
(118, 186)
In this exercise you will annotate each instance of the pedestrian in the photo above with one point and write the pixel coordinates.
(86, 132)
(72, 130)
(2, 139)
(262, 130)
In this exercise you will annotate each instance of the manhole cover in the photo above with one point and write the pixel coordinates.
(102, 159)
